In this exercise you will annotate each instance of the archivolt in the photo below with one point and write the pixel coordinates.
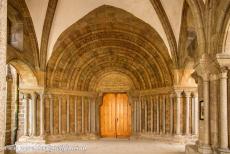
(103, 41)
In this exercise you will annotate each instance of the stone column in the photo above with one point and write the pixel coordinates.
(89, 115)
(82, 115)
(188, 96)
(152, 118)
(133, 108)
(138, 115)
(51, 116)
(223, 109)
(93, 115)
(158, 114)
(34, 113)
(178, 114)
(75, 114)
(206, 110)
(146, 115)
(30, 116)
(163, 114)
(196, 114)
(26, 111)
(3, 92)
(60, 114)
(67, 114)
(193, 114)
(171, 113)
(42, 115)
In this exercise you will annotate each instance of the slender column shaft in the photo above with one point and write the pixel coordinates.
(138, 115)
(34, 114)
(82, 116)
(146, 115)
(178, 114)
(171, 113)
(42, 115)
(193, 114)
(59, 115)
(158, 114)
(30, 117)
(196, 104)
(89, 114)
(93, 115)
(206, 110)
(223, 109)
(163, 113)
(67, 115)
(75, 114)
(152, 119)
(51, 116)
(134, 116)
(187, 95)
(26, 111)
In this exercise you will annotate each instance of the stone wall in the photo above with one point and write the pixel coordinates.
(12, 100)
(3, 86)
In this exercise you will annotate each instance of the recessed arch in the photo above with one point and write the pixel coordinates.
(27, 75)
(103, 41)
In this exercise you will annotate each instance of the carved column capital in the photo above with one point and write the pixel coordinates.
(223, 59)
(178, 93)
(187, 93)
(172, 95)
(223, 73)
(206, 66)
(25, 95)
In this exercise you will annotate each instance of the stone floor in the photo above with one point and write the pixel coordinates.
(111, 146)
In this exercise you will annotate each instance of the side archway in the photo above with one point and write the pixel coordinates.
(27, 75)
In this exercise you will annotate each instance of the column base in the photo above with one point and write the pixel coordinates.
(191, 149)
(205, 149)
(199, 149)
(31, 139)
(223, 151)
(134, 136)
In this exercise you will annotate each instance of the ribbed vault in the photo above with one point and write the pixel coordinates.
(109, 40)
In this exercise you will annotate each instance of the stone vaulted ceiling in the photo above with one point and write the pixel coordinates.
(68, 12)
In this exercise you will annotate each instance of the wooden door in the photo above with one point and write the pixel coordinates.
(115, 116)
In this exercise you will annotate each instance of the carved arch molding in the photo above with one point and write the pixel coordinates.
(109, 39)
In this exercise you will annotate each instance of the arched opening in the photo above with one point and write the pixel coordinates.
(102, 53)
(27, 76)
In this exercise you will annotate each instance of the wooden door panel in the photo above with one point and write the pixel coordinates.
(123, 113)
(115, 115)
(107, 114)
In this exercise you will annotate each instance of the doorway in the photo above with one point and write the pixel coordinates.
(115, 115)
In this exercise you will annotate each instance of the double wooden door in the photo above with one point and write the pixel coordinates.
(115, 116)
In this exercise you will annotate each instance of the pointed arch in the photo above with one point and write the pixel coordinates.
(167, 28)
(46, 32)
(103, 41)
